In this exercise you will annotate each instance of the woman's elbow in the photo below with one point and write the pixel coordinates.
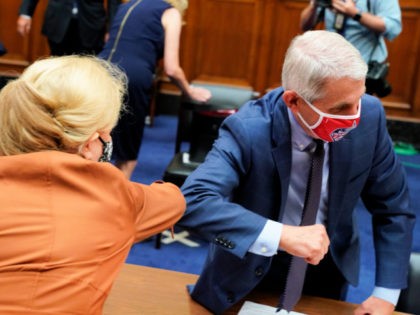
(172, 70)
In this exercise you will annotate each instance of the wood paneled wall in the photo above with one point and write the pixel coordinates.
(242, 42)
(21, 50)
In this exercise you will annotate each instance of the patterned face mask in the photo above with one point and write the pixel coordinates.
(106, 151)
(330, 127)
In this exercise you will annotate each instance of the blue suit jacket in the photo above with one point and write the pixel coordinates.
(245, 178)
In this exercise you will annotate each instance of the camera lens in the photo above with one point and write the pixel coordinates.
(323, 3)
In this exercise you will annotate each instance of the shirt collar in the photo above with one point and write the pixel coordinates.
(300, 139)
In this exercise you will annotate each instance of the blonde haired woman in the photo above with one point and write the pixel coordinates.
(143, 32)
(67, 220)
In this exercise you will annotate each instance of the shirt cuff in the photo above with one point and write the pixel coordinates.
(26, 16)
(389, 295)
(268, 241)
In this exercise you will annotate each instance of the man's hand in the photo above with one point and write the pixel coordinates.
(347, 7)
(24, 25)
(374, 306)
(310, 242)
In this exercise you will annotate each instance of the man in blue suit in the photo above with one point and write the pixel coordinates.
(248, 195)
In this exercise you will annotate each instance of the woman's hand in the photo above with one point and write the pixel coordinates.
(199, 94)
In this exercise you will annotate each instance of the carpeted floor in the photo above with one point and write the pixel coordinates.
(187, 253)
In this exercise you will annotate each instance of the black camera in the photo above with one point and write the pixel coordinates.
(323, 3)
(376, 82)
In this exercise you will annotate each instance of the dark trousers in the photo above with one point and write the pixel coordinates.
(324, 279)
(72, 44)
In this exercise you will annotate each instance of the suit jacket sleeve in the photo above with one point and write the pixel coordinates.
(212, 211)
(385, 195)
(28, 7)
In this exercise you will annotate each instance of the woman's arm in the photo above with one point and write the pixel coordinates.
(172, 23)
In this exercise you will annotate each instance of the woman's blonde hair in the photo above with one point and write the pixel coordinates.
(180, 5)
(58, 103)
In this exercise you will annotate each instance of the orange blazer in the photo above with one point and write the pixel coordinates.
(66, 227)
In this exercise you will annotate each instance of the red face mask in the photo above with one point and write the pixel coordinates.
(332, 128)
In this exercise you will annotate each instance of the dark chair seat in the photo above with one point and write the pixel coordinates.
(198, 124)
(179, 168)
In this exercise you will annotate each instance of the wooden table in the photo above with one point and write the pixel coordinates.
(151, 291)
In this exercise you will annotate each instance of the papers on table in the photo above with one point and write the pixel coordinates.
(251, 308)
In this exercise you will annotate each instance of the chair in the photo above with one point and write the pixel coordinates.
(409, 301)
(198, 125)
(158, 79)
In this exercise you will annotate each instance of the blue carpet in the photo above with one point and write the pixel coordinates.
(156, 152)
(157, 149)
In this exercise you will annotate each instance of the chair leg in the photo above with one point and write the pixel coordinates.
(157, 82)
(158, 240)
(152, 107)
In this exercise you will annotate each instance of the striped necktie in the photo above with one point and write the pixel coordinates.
(297, 269)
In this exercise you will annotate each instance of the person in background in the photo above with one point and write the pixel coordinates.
(143, 31)
(71, 26)
(364, 23)
(3, 49)
(68, 220)
(247, 197)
